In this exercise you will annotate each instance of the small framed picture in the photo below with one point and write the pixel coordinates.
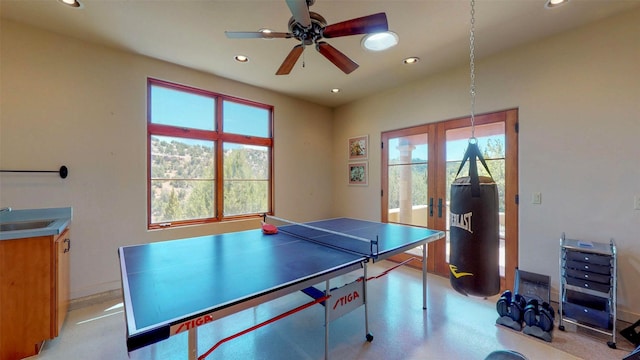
(358, 173)
(359, 147)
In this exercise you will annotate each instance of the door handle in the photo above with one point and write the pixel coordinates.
(431, 207)
(68, 242)
(439, 207)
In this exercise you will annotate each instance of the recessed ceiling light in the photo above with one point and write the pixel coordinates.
(411, 60)
(72, 3)
(555, 3)
(335, 90)
(379, 41)
(241, 58)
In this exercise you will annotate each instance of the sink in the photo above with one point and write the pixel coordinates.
(25, 225)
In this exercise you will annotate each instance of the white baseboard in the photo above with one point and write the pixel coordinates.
(95, 299)
(91, 290)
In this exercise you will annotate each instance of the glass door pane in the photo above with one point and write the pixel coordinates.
(407, 179)
(491, 141)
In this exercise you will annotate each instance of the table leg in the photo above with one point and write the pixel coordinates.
(326, 322)
(364, 295)
(193, 343)
(424, 276)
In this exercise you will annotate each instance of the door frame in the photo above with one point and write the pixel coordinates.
(436, 180)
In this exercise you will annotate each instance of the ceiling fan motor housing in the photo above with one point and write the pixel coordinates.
(311, 34)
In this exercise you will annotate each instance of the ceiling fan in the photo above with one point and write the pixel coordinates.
(310, 28)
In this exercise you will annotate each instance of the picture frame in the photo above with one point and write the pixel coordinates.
(359, 147)
(358, 173)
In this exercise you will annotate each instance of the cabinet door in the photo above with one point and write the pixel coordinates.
(61, 305)
(25, 295)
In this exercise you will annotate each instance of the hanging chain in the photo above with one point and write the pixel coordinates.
(303, 58)
(472, 90)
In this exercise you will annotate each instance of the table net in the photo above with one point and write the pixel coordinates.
(326, 236)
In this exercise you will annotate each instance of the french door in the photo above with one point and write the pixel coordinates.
(420, 163)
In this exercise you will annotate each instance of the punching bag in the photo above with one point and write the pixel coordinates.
(474, 230)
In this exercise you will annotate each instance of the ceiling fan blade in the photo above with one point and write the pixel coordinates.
(300, 11)
(336, 57)
(362, 25)
(290, 60)
(256, 35)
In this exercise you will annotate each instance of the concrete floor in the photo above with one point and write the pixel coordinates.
(452, 327)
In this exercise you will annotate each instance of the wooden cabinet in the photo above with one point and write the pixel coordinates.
(60, 307)
(34, 292)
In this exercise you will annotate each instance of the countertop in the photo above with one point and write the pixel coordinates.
(60, 217)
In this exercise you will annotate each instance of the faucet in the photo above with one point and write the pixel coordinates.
(7, 209)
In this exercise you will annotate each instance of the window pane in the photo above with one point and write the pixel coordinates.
(181, 108)
(245, 162)
(245, 120)
(182, 200)
(246, 179)
(182, 179)
(407, 179)
(408, 191)
(490, 139)
(245, 197)
(408, 149)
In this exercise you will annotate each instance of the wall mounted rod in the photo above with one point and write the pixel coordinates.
(63, 172)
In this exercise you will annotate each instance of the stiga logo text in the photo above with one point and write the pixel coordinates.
(346, 299)
(188, 325)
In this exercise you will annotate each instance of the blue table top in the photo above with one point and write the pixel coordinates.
(167, 282)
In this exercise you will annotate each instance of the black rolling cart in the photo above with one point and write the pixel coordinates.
(588, 286)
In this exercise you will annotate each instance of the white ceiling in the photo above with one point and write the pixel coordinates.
(191, 33)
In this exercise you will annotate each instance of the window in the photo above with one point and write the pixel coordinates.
(209, 156)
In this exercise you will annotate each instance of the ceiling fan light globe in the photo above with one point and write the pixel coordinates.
(379, 41)
(555, 3)
(72, 3)
(411, 60)
(241, 58)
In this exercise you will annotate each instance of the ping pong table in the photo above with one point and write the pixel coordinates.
(174, 286)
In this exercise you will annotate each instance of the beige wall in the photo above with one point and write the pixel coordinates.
(63, 101)
(578, 96)
(67, 102)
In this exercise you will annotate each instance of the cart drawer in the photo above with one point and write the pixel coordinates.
(586, 284)
(587, 300)
(594, 259)
(585, 275)
(579, 265)
(587, 315)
